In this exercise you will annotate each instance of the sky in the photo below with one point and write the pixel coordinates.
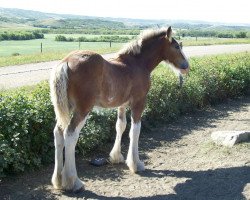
(226, 11)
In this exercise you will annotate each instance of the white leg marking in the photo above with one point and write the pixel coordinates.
(59, 145)
(115, 154)
(70, 180)
(133, 160)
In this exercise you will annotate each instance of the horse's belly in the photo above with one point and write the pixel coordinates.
(111, 101)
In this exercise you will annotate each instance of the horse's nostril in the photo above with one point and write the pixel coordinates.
(184, 65)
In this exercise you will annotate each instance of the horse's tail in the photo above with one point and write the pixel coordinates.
(59, 96)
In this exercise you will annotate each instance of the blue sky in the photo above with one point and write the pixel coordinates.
(227, 11)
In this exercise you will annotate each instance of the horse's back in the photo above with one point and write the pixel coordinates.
(85, 68)
(80, 60)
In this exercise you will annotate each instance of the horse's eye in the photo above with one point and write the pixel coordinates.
(177, 47)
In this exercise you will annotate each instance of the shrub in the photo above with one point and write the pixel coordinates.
(225, 35)
(60, 38)
(113, 38)
(26, 129)
(15, 54)
(241, 35)
(23, 35)
(25, 121)
(27, 118)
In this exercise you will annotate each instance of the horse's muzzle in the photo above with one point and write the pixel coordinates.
(184, 67)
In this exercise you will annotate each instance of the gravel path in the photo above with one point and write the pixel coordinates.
(181, 163)
(30, 74)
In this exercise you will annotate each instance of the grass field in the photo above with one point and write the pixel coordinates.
(30, 50)
(49, 44)
(191, 41)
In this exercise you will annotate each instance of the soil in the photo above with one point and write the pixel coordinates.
(181, 163)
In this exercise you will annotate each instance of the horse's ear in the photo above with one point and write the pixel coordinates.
(169, 33)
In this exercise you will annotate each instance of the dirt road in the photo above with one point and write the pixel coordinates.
(30, 74)
(181, 163)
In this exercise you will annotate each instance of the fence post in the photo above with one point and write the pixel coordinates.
(110, 44)
(79, 45)
(41, 47)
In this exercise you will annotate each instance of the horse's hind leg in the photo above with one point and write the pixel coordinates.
(115, 154)
(70, 180)
(59, 145)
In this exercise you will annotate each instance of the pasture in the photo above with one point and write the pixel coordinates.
(27, 47)
(30, 50)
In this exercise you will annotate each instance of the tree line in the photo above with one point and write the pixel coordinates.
(23, 35)
(93, 31)
(219, 34)
(113, 38)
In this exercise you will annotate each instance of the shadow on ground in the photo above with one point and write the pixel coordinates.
(223, 184)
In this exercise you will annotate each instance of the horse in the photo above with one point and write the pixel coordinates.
(84, 79)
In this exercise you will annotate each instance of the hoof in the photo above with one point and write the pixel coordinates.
(79, 190)
(72, 185)
(57, 181)
(78, 186)
(140, 166)
(133, 167)
(116, 159)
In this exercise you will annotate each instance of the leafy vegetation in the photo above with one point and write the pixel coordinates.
(79, 24)
(212, 33)
(96, 31)
(114, 38)
(25, 124)
(27, 117)
(211, 80)
(24, 35)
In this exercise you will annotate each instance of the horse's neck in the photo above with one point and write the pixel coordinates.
(146, 60)
(150, 60)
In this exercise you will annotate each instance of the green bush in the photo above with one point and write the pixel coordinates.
(241, 35)
(25, 124)
(113, 38)
(60, 38)
(211, 80)
(22, 35)
(27, 118)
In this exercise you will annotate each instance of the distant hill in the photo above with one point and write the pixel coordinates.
(19, 18)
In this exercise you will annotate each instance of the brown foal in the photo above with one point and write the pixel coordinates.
(85, 79)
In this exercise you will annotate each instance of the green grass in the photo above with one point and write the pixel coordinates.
(26, 47)
(29, 50)
(191, 41)
(99, 47)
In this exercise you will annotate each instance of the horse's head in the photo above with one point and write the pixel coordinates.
(173, 53)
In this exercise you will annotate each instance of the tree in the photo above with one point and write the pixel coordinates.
(241, 35)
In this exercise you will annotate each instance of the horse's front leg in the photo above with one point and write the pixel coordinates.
(70, 180)
(133, 160)
(116, 155)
